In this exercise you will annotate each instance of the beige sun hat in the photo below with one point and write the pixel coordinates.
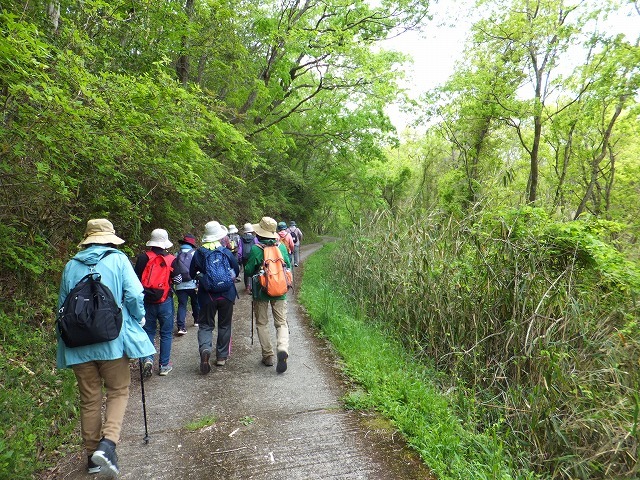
(214, 231)
(233, 228)
(248, 228)
(159, 238)
(100, 230)
(266, 228)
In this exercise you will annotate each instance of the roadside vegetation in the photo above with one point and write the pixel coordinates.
(396, 385)
(498, 242)
(521, 334)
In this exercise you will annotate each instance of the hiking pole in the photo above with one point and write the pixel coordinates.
(144, 405)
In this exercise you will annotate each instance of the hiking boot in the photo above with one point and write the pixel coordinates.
(147, 369)
(282, 362)
(220, 362)
(268, 361)
(105, 457)
(92, 467)
(205, 367)
(182, 331)
(295, 264)
(165, 369)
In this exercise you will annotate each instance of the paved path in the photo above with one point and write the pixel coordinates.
(269, 426)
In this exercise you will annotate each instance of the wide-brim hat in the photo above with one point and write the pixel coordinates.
(159, 238)
(248, 228)
(214, 231)
(233, 228)
(266, 228)
(100, 230)
(188, 240)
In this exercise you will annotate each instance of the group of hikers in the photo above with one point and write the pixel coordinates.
(110, 311)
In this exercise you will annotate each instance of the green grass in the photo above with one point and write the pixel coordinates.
(202, 422)
(38, 418)
(401, 389)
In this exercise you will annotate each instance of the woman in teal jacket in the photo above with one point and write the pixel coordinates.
(105, 363)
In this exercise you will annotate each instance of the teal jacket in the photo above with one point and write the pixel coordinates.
(117, 274)
(256, 257)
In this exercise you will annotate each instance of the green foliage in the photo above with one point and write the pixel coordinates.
(32, 395)
(203, 422)
(395, 385)
(535, 320)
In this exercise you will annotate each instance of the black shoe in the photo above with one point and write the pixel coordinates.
(92, 467)
(147, 369)
(282, 362)
(105, 457)
(205, 367)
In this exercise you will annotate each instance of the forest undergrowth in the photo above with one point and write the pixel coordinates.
(532, 325)
(389, 380)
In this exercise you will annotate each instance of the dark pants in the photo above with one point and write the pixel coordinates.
(224, 309)
(247, 277)
(183, 301)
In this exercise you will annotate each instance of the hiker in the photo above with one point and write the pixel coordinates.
(296, 234)
(285, 237)
(235, 244)
(266, 233)
(216, 269)
(247, 240)
(104, 364)
(156, 269)
(185, 286)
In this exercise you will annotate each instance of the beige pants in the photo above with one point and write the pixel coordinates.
(279, 310)
(116, 377)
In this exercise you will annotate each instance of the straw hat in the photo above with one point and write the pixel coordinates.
(266, 228)
(159, 238)
(233, 229)
(248, 228)
(100, 230)
(214, 231)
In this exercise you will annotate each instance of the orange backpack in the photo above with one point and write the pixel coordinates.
(276, 279)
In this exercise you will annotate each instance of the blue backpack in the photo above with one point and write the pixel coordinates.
(218, 274)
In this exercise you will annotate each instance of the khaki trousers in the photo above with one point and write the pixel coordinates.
(90, 376)
(279, 310)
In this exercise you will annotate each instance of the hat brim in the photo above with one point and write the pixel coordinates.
(102, 238)
(261, 232)
(215, 237)
(164, 245)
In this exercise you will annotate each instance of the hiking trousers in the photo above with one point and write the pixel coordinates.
(206, 325)
(184, 296)
(116, 377)
(279, 310)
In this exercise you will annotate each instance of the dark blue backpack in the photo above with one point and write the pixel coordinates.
(218, 274)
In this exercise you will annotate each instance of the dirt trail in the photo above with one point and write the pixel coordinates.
(268, 426)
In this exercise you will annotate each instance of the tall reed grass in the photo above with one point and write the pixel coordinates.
(535, 321)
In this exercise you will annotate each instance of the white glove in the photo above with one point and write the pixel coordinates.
(142, 322)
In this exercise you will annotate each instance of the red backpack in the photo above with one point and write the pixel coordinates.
(156, 277)
(276, 280)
